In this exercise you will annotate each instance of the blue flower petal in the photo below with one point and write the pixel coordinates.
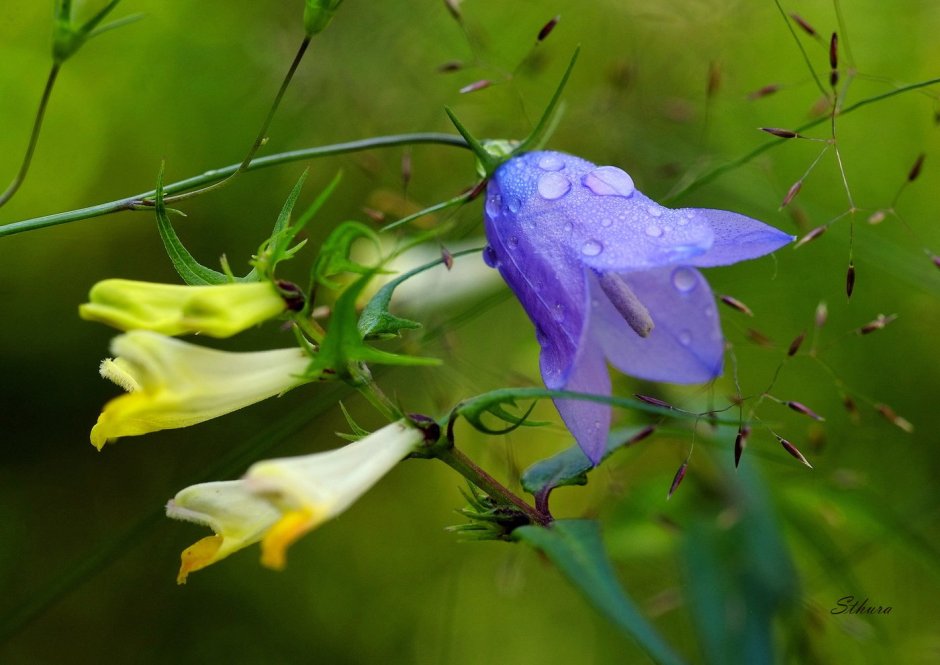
(737, 237)
(588, 422)
(686, 345)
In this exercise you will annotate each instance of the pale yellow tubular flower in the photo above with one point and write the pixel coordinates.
(237, 517)
(175, 384)
(314, 488)
(171, 309)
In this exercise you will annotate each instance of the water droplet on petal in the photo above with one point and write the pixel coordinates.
(685, 337)
(654, 231)
(592, 248)
(490, 257)
(609, 181)
(513, 242)
(514, 204)
(684, 279)
(551, 163)
(710, 311)
(606, 222)
(553, 186)
(569, 227)
(654, 211)
(558, 312)
(493, 205)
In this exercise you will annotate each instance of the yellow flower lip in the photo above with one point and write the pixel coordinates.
(173, 384)
(220, 310)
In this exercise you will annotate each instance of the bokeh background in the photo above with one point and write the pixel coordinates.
(664, 90)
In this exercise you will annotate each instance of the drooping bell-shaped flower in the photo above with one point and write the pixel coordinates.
(220, 310)
(171, 383)
(606, 273)
(280, 500)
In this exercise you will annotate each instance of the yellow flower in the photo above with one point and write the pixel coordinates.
(172, 309)
(171, 383)
(280, 500)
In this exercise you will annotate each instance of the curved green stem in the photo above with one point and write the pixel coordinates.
(33, 137)
(145, 200)
(262, 133)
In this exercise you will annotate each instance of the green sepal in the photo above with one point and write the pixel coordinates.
(67, 38)
(334, 254)
(546, 123)
(189, 269)
(318, 14)
(576, 548)
(571, 465)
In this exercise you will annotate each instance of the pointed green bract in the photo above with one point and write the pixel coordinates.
(544, 124)
(334, 253)
(575, 547)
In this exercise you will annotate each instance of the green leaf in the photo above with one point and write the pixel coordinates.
(343, 343)
(575, 547)
(192, 272)
(571, 465)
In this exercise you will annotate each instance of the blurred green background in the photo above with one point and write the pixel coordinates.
(82, 533)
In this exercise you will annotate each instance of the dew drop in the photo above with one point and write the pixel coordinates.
(683, 279)
(568, 227)
(513, 242)
(592, 248)
(606, 222)
(710, 311)
(609, 181)
(654, 231)
(685, 337)
(493, 205)
(551, 163)
(558, 312)
(490, 257)
(553, 186)
(514, 204)
(654, 211)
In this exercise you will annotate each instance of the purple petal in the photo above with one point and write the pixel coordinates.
(589, 422)
(737, 237)
(685, 346)
(594, 213)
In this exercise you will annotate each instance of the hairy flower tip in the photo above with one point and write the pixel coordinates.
(850, 407)
(799, 407)
(915, 170)
(850, 280)
(654, 401)
(795, 345)
(677, 480)
(476, 85)
(714, 79)
(793, 450)
(450, 66)
(880, 322)
(821, 315)
(734, 303)
(607, 274)
(811, 236)
(834, 51)
(759, 338)
(453, 8)
(547, 28)
(936, 260)
(892, 417)
(780, 133)
(807, 28)
(644, 433)
(764, 91)
(740, 443)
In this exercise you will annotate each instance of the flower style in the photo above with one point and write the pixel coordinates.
(280, 500)
(605, 272)
(171, 383)
(172, 309)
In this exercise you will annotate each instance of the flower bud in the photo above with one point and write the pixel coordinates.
(318, 14)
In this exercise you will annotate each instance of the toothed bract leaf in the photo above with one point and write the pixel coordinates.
(607, 274)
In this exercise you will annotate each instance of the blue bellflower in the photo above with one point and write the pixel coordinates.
(606, 273)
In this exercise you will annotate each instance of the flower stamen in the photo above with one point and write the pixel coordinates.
(626, 303)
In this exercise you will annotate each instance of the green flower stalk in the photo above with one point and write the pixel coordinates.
(172, 384)
(280, 500)
(170, 309)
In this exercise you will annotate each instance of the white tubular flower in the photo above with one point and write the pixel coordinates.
(171, 383)
(173, 309)
(237, 517)
(280, 500)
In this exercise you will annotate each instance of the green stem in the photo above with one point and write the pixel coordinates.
(142, 201)
(262, 134)
(33, 137)
(744, 159)
(366, 385)
(463, 465)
